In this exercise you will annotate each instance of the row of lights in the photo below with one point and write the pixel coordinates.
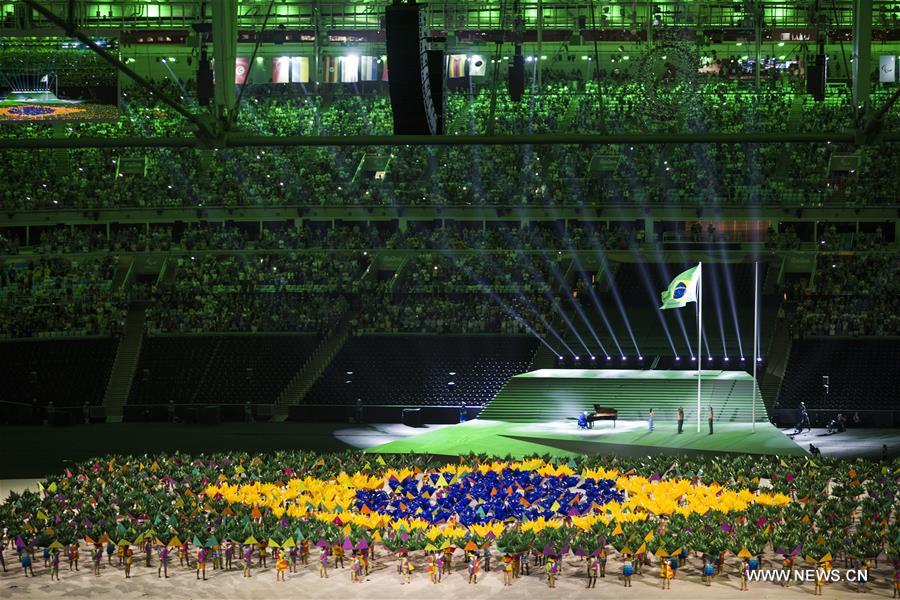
(577, 358)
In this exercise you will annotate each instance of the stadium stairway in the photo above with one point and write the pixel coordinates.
(125, 364)
(314, 366)
(531, 399)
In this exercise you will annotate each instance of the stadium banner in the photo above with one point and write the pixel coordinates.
(299, 69)
(349, 68)
(331, 69)
(368, 68)
(241, 67)
(887, 70)
(456, 66)
(281, 69)
(477, 66)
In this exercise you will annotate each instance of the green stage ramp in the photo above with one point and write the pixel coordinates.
(550, 394)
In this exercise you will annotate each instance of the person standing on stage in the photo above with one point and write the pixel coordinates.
(710, 418)
(680, 419)
(650, 419)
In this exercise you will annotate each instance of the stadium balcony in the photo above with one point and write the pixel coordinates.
(70, 373)
(862, 379)
(220, 373)
(439, 374)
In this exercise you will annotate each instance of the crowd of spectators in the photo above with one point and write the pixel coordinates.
(57, 297)
(853, 295)
(222, 293)
(732, 174)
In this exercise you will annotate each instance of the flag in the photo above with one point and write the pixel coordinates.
(349, 66)
(281, 69)
(456, 65)
(299, 69)
(331, 70)
(477, 66)
(682, 290)
(369, 68)
(241, 68)
(45, 79)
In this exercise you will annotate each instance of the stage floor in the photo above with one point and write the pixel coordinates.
(564, 438)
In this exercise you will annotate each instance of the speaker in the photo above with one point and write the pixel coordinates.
(436, 79)
(204, 81)
(517, 75)
(411, 417)
(815, 78)
(409, 82)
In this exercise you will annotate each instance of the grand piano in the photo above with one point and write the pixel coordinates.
(602, 413)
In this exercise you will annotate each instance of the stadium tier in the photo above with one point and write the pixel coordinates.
(422, 370)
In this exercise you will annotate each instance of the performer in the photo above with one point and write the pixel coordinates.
(593, 570)
(745, 575)
(110, 550)
(524, 562)
(432, 568)
(821, 574)
(448, 559)
(896, 579)
(473, 567)
(552, 571)
(650, 419)
(304, 553)
(163, 562)
(439, 565)
(183, 555)
(263, 555)
(601, 561)
(120, 554)
(293, 553)
(129, 561)
(74, 551)
(507, 570)
(406, 568)
(708, 570)
(25, 559)
(202, 554)
(627, 569)
(98, 556)
(680, 419)
(787, 565)
(338, 552)
(216, 557)
(356, 568)
(229, 555)
(248, 560)
(281, 565)
(666, 573)
(323, 563)
(148, 551)
(863, 576)
(54, 565)
(46, 554)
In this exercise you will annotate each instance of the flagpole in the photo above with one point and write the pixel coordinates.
(699, 337)
(755, 338)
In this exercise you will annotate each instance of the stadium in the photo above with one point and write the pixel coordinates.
(378, 299)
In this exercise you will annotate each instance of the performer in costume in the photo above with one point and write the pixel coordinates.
(439, 565)
(74, 552)
(148, 551)
(473, 567)
(356, 568)
(263, 555)
(507, 570)
(593, 570)
(183, 555)
(627, 569)
(129, 561)
(448, 559)
(54, 565)
(202, 553)
(163, 562)
(293, 553)
(281, 565)
(745, 575)
(338, 552)
(248, 560)
(110, 550)
(708, 570)
(304, 552)
(787, 565)
(98, 556)
(229, 555)
(25, 559)
(863, 576)
(323, 562)
(406, 567)
(601, 562)
(666, 573)
(552, 571)
(432, 568)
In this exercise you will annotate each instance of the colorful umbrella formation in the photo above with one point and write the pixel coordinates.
(354, 501)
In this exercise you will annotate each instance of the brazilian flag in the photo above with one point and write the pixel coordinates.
(682, 290)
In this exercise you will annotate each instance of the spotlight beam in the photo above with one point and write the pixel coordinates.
(718, 303)
(615, 293)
